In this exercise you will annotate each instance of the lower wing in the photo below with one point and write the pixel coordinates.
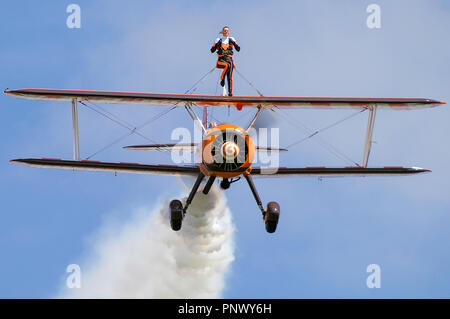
(336, 171)
(195, 170)
(110, 167)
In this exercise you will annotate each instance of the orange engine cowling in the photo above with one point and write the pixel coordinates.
(227, 151)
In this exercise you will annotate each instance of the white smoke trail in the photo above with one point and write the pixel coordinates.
(146, 259)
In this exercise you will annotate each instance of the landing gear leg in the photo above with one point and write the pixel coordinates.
(177, 211)
(255, 193)
(272, 214)
(208, 185)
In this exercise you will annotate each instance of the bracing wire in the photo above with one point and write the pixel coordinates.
(250, 83)
(119, 121)
(329, 147)
(107, 114)
(133, 130)
(195, 86)
(324, 128)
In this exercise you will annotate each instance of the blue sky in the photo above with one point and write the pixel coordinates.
(329, 231)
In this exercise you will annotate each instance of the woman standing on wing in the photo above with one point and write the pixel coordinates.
(224, 46)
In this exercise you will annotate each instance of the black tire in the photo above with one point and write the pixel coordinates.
(272, 216)
(176, 214)
(271, 226)
(176, 224)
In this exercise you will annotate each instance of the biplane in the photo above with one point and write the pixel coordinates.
(227, 150)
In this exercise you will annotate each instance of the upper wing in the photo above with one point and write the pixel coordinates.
(217, 100)
(336, 171)
(110, 167)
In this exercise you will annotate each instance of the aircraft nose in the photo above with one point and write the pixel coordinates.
(230, 150)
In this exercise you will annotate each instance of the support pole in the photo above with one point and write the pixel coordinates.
(255, 193)
(205, 117)
(194, 117)
(209, 184)
(255, 117)
(76, 137)
(193, 190)
(368, 140)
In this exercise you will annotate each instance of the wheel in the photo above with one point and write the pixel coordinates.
(225, 184)
(271, 217)
(176, 214)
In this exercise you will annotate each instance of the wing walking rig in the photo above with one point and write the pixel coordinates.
(227, 150)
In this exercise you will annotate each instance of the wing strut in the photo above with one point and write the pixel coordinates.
(194, 117)
(76, 135)
(369, 131)
(255, 117)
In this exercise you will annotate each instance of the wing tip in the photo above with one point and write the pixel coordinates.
(421, 169)
(17, 161)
